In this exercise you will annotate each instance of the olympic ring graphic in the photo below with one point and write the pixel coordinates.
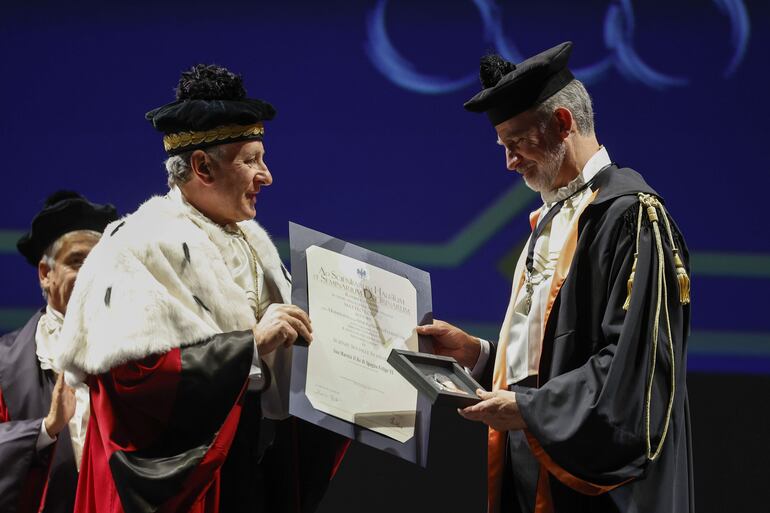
(618, 38)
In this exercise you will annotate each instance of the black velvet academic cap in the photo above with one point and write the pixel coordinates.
(510, 89)
(63, 212)
(211, 108)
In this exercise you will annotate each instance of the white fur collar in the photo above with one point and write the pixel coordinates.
(154, 282)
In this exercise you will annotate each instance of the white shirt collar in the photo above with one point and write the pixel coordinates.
(235, 250)
(47, 336)
(596, 163)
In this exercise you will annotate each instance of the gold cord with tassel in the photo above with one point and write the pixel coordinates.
(652, 205)
(683, 279)
(630, 283)
(681, 273)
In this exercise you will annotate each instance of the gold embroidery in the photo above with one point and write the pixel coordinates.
(220, 133)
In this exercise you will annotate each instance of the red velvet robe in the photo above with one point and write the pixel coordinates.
(161, 429)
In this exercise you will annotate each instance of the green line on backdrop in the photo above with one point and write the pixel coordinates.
(463, 245)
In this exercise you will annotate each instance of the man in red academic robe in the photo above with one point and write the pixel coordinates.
(180, 326)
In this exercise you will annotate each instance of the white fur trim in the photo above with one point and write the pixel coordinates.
(151, 307)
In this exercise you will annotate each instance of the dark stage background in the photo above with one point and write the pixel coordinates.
(371, 144)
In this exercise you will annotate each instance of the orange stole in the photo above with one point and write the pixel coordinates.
(496, 443)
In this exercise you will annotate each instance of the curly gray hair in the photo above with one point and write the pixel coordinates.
(178, 166)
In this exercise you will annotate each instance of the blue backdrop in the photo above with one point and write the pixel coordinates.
(371, 142)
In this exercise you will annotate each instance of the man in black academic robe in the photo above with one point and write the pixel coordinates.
(25, 400)
(589, 405)
(40, 473)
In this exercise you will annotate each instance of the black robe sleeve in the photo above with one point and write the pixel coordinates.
(589, 425)
(24, 473)
(485, 379)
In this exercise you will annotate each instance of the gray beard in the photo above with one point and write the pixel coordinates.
(546, 173)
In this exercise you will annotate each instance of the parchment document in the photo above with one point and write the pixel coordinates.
(359, 313)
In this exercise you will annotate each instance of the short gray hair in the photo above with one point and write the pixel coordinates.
(575, 98)
(49, 255)
(178, 166)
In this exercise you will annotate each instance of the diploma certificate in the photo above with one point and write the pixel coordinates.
(363, 317)
(360, 312)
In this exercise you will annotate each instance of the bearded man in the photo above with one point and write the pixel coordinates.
(42, 420)
(180, 325)
(589, 406)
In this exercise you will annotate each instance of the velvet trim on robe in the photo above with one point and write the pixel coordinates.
(30, 481)
(161, 428)
(157, 282)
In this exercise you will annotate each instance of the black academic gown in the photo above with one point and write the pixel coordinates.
(27, 477)
(278, 466)
(584, 448)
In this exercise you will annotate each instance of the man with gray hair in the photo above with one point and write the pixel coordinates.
(588, 409)
(42, 420)
(182, 328)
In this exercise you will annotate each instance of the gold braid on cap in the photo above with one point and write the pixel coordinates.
(220, 133)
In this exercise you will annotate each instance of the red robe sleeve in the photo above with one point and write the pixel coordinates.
(161, 428)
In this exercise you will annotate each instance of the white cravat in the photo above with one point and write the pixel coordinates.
(526, 332)
(46, 338)
(245, 271)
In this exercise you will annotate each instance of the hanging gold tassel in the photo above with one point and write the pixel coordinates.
(683, 279)
(681, 273)
(652, 204)
(630, 284)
